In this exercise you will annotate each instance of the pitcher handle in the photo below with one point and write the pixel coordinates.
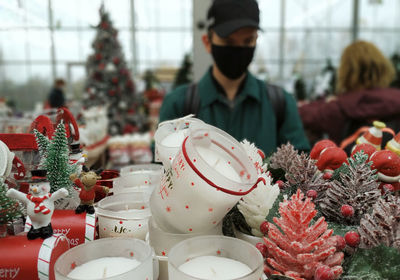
(211, 183)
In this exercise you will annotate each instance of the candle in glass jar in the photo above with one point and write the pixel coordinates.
(103, 267)
(216, 161)
(174, 139)
(216, 268)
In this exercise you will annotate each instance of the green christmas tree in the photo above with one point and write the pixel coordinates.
(43, 144)
(184, 74)
(10, 209)
(57, 160)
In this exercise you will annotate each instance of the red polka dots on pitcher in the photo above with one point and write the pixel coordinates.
(73, 265)
(187, 206)
(168, 209)
(192, 184)
(190, 229)
(120, 222)
(214, 222)
(218, 252)
(142, 207)
(104, 228)
(140, 225)
(131, 254)
(232, 148)
(163, 253)
(210, 209)
(145, 182)
(194, 160)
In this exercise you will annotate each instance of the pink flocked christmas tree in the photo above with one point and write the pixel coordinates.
(301, 249)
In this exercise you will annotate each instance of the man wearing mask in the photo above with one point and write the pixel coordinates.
(228, 96)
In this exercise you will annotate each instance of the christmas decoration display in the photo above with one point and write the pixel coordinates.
(387, 164)
(87, 183)
(76, 158)
(299, 249)
(394, 144)
(39, 203)
(373, 136)
(331, 158)
(382, 226)
(22, 259)
(43, 145)
(320, 146)
(353, 193)
(255, 206)
(77, 228)
(56, 158)
(108, 79)
(184, 74)
(10, 209)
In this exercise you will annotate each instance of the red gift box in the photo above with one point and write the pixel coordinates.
(23, 259)
(78, 228)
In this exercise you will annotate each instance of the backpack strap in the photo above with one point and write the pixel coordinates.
(278, 101)
(192, 101)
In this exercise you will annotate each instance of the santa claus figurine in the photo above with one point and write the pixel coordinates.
(39, 204)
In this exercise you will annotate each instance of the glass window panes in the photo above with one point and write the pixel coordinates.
(39, 44)
(13, 44)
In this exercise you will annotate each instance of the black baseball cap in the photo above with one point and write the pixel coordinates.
(227, 16)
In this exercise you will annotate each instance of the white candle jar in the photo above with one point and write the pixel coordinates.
(162, 241)
(169, 137)
(215, 246)
(109, 247)
(124, 215)
(140, 177)
(208, 176)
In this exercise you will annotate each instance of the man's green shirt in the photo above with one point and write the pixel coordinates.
(249, 116)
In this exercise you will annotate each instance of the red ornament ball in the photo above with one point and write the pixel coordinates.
(101, 66)
(264, 227)
(340, 243)
(324, 272)
(112, 92)
(262, 248)
(347, 211)
(312, 194)
(352, 238)
(281, 184)
(116, 60)
(327, 175)
(98, 56)
(114, 80)
(104, 25)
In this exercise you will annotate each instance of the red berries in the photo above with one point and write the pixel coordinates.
(352, 238)
(281, 184)
(264, 228)
(340, 243)
(388, 188)
(327, 175)
(262, 248)
(347, 211)
(324, 272)
(312, 194)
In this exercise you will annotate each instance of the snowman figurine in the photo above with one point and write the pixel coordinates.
(39, 204)
(76, 157)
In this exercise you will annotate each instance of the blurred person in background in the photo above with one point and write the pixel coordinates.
(228, 96)
(56, 97)
(362, 96)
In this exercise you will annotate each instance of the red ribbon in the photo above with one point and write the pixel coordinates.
(211, 183)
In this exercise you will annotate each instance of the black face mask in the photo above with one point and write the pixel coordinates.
(232, 61)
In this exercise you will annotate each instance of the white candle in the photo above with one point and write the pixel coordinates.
(103, 267)
(174, 139)
(216, 268)
(218, 163)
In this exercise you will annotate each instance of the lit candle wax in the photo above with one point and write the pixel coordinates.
(218, 163)
(103, 267)
(216, 268)
(174, 139)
